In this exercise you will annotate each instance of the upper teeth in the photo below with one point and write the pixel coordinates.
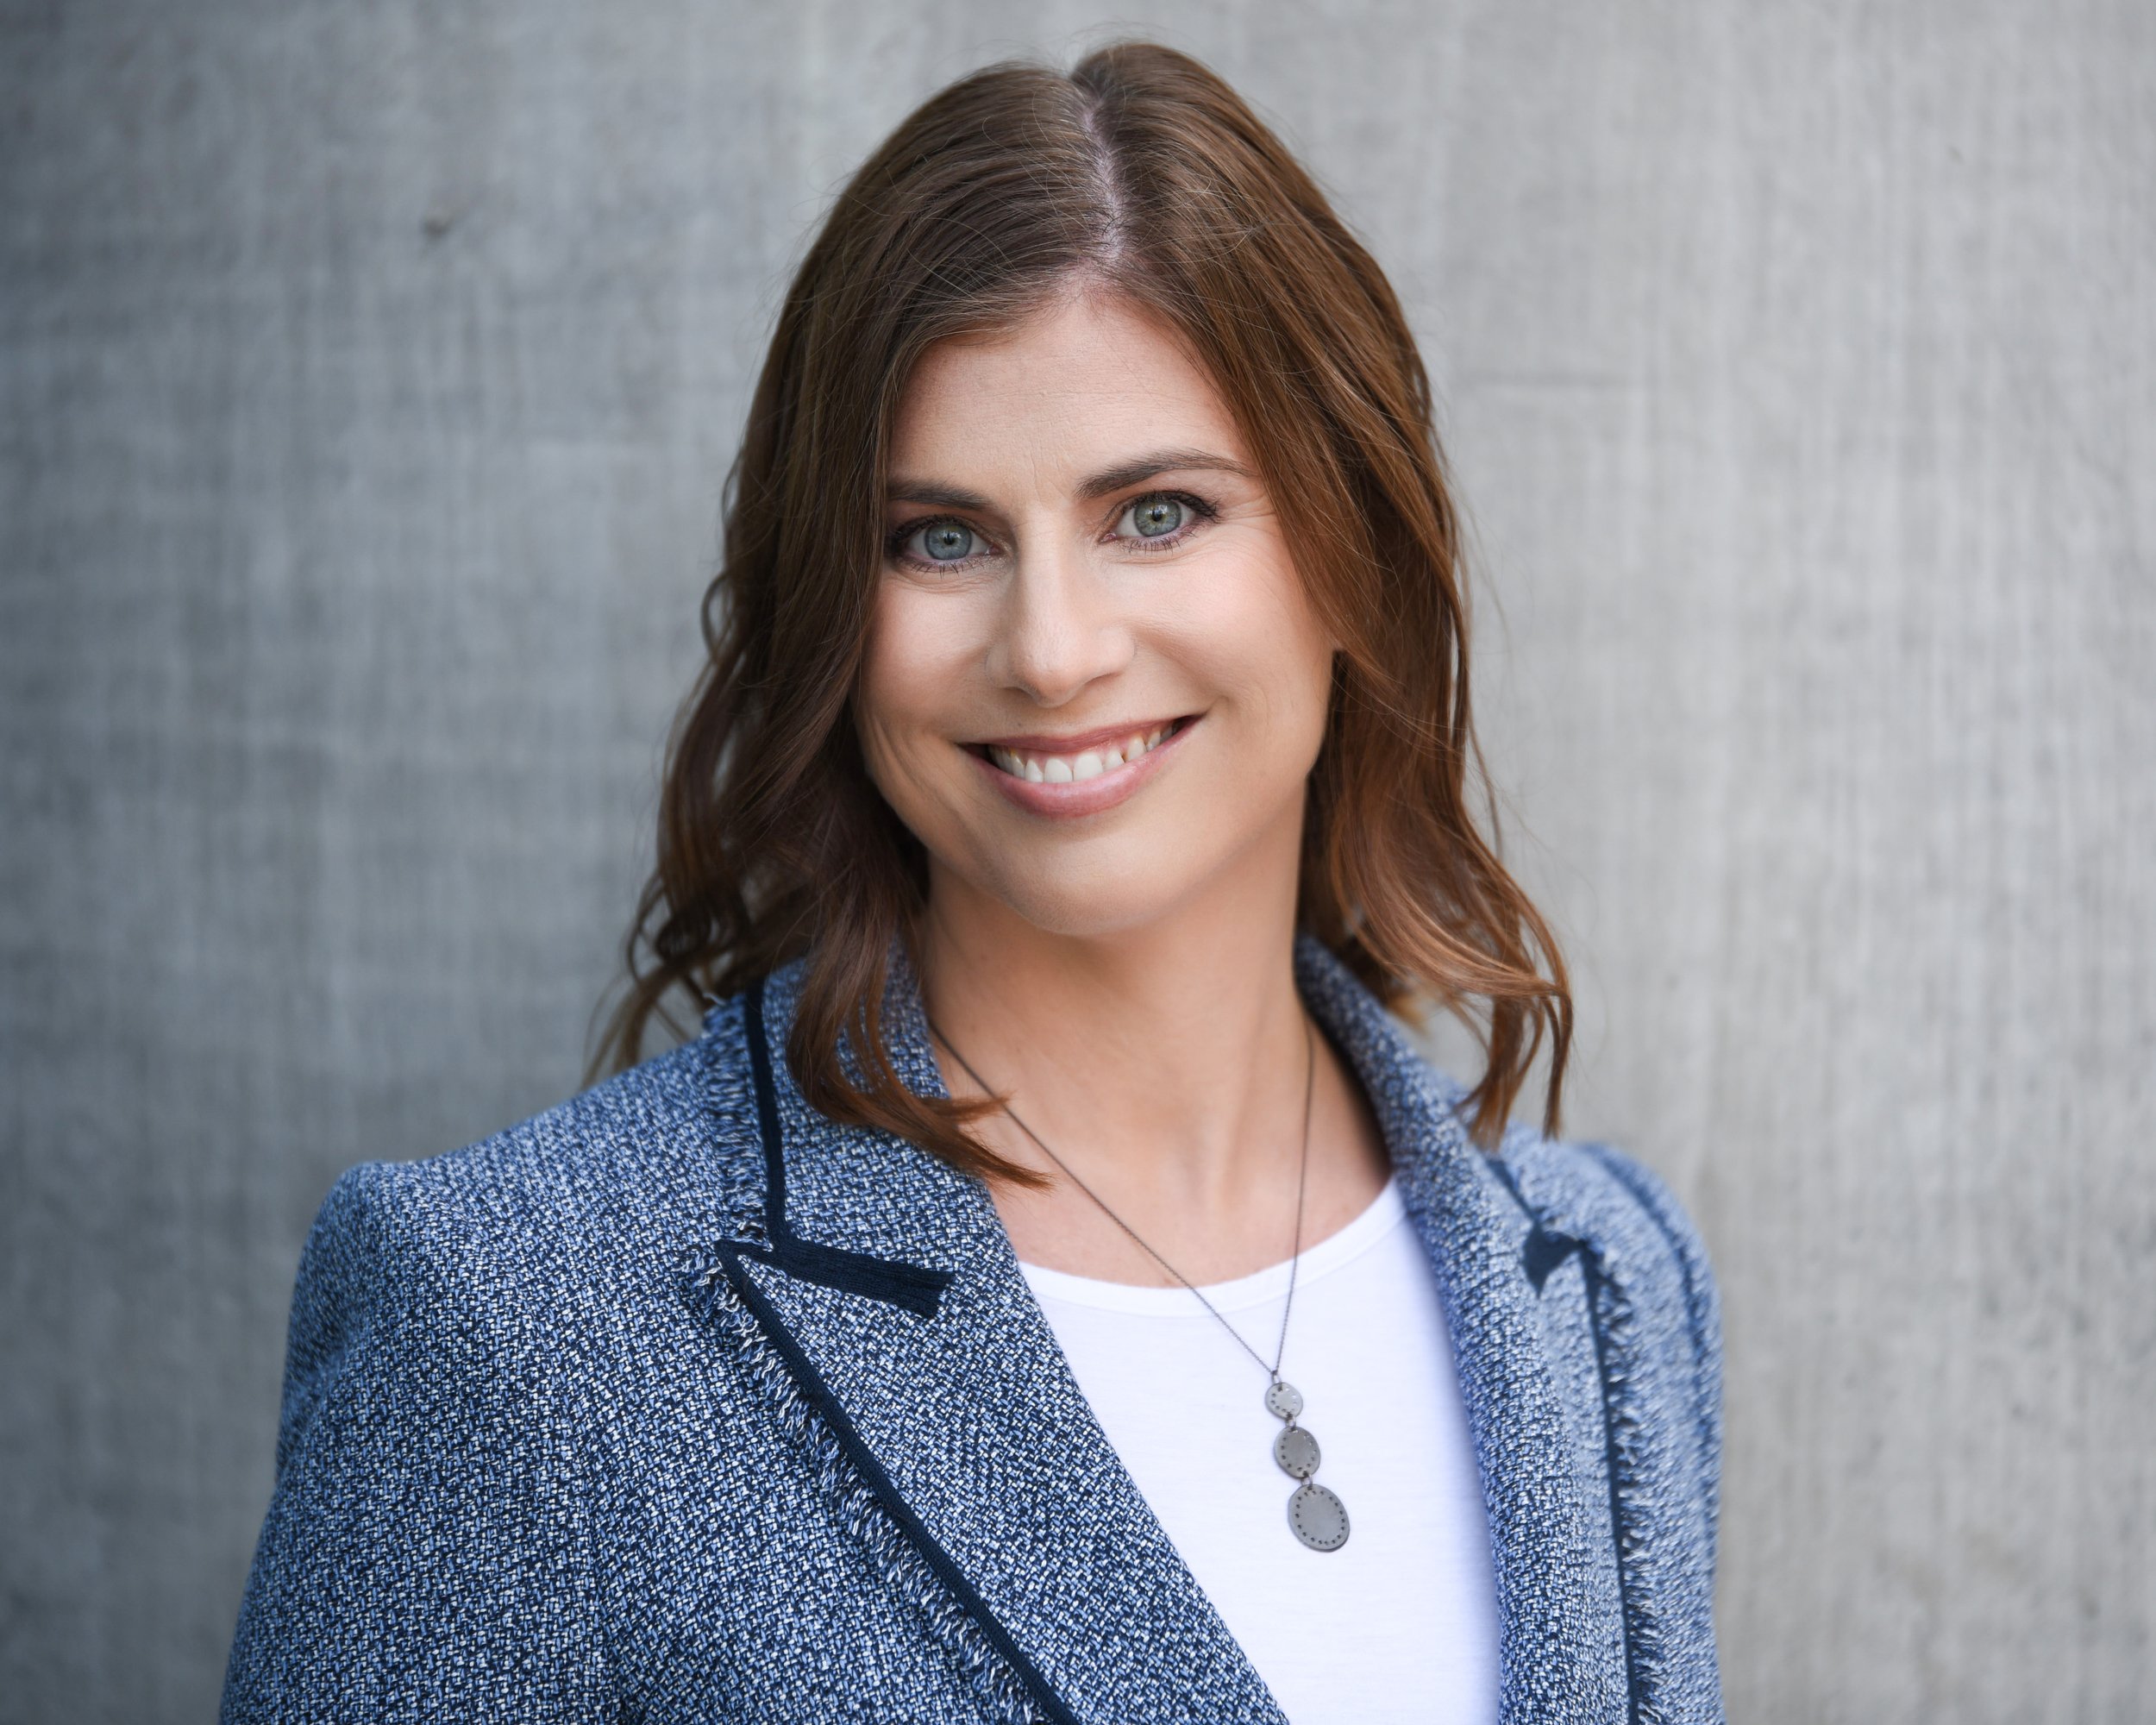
(1064, 770)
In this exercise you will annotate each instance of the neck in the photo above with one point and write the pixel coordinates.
(1165, 1066)
(1159, 1058)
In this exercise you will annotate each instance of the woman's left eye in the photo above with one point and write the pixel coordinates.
(1157, 516)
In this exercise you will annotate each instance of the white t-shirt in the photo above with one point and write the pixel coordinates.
(1400, 1623)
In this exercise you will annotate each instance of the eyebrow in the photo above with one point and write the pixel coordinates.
(1105, 483)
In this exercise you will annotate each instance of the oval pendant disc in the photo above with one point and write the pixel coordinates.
(1283, 1401)
(1319, 1519)
(1296, 1452)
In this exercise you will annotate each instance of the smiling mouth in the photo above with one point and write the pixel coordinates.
(1044, 766)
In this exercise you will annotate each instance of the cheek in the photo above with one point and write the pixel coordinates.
(1305, 650)
(907, 673)
(1267, 648)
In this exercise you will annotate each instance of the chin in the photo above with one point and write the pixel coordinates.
(1096, 902)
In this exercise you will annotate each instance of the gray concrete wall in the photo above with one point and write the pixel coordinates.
(367, 377)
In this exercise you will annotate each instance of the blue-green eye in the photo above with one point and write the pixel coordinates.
(1156, 517)
(946, 542)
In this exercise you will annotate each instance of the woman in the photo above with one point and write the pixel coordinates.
(1051, 1286)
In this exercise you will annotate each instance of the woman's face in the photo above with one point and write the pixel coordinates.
(1094, 686)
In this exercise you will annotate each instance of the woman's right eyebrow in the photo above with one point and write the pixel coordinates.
(934, 496)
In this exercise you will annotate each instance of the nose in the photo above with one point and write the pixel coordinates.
(1060, 628)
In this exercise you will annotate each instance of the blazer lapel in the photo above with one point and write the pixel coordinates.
(881, 1284)
(1560, 1656)
(886, 1285)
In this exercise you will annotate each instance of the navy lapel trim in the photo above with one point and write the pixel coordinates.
(913, 1286)
(911, 1562)
(720, 1290)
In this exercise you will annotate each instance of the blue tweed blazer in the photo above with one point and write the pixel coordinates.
(678, 1403)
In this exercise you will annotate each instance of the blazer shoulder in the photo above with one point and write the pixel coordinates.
(1599, 1191)
(1643, 1235)
(674, 1140)
(546, 1214)
(429, 1529)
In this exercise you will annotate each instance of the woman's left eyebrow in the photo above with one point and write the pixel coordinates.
(1136, 471)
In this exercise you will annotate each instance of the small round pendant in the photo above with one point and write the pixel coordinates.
(1283, 1400)
(1319, 1519)
(1296, 1452)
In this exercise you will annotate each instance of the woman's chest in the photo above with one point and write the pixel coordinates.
(1400, 1620)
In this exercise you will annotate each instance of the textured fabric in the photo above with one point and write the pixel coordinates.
(678, 1403)
(1398, 1626)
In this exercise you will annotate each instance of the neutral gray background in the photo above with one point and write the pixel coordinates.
(367, 376)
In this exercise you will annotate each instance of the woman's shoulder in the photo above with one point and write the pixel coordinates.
(490, 1262)
(1607, 1195)
(1611, 1206)
(668, 1145)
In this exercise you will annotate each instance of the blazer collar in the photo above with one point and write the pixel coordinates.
(886, 1281)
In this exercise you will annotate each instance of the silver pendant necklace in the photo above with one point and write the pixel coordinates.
(1315, 1515)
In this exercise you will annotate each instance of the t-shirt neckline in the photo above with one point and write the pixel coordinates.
(1384, 1212)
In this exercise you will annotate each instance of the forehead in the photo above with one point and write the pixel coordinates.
(1086, 380)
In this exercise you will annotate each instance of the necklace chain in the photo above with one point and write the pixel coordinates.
(1302, 1179)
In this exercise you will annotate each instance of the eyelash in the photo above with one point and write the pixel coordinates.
(894, 542)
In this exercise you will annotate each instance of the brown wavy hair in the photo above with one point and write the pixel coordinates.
(1142, 173)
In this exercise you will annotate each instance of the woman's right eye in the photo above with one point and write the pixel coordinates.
(941, 542)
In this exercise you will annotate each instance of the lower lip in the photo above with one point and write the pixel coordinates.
(1087, 796)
